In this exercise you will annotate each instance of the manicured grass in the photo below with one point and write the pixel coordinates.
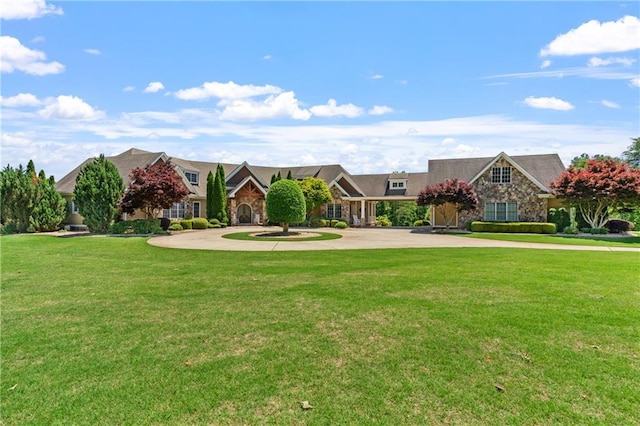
(581, 240)
(99, 331)
(248, 236)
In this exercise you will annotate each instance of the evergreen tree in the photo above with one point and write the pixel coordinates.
(17, 198)
(50, 208)
(210, 195)
(98, 189)
(273, 179)
(289, 176)
(220, 196)
(279, 176)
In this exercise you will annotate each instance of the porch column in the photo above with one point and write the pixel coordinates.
(233, 217)
(362, 213)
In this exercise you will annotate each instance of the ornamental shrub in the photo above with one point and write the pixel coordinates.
(214, 221)
(418, 223)
(599, 231)
(570, 230)
(383, 221)
(165, 222)
(585, 230)
(285, 203)
(619, 226)
(560, 217)
(199, 223)
(175, 227)
(341, 225)
(139, 226)
(187, 223)
(514, 227)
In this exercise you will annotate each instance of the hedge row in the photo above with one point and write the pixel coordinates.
(514, 227)
(139, 226)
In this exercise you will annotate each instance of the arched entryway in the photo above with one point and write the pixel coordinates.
(244, 213)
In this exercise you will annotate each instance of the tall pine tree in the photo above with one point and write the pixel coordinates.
(220, 196)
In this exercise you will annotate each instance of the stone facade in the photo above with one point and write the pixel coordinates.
(249, 196)
(336, 194)
(521, 190)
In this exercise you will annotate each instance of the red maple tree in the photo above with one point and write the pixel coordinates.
(452, 191)
(153, 188)
(599, 189)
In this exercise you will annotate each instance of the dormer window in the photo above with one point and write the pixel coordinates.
(397, 183)
(501, 175)
(192, 177)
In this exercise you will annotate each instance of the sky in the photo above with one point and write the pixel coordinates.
(374, 86)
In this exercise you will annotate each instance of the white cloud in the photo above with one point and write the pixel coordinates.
(376, 77)
(128, 89)
(93, 51)
(349, 149)
(545, 64)
(402, 82)
(274, 106)
(586, 72)
(594, 37)
(266, 57)
(380, 110)
(69, 107)
(20, 100)
(609, 104)
(600, 62)
(15, 56)
(37, 39)
(229, 90)
(154, 87)
(635, 82)
(18, 139)
(27, 9)
(332, 109)
(548, 103)
(448, 141)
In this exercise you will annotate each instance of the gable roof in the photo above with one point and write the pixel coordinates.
(124, 162)
(540, 169)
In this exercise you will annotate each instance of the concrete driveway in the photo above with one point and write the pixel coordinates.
(353, 238)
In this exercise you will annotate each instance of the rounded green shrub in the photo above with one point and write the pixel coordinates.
(186, 223)
(214, 221)
(341, 225)
(175, 227)
(200, 223)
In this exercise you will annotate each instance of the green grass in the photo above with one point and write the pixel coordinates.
(248, 236)
(98, 331)
(603, 241)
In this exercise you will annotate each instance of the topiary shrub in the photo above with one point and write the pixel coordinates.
(418, 222)
(285, 203)
(341, 225)
(560, 217)
(585, 230)
(596, 231)
(187, 223)
(138, 226)
(199, 223)
(317, 222)
(619, 226)
(214, 221)
(175, 227)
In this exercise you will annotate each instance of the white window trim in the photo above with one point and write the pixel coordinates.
(178, 209)
(501, 175)
(74, 208)
(199, 209)
(332, 207)
(196, 174)
(397, 183)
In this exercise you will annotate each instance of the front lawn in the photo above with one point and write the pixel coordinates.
(110, 330)
(575, 240)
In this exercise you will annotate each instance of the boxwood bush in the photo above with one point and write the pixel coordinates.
(139, 226)
(186, 223)
(341, 225)
(515, 227)
(175, 227)
(199, 223)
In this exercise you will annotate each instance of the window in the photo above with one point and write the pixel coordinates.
(397, 184)
(175, 212)
(192, 177)
(501, 212)
(501, 175)
(334, 211)
(196, 209)
(74, 207)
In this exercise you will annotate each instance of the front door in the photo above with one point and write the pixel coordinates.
(244, 213)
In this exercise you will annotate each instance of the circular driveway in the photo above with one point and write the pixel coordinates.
(352, 238)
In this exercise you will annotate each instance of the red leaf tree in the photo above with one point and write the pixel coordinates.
(599, 189)
(152, 189)
(452, 191)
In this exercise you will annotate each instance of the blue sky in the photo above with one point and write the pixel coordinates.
(376, 87)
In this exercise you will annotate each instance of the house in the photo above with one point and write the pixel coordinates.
(509, 188)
